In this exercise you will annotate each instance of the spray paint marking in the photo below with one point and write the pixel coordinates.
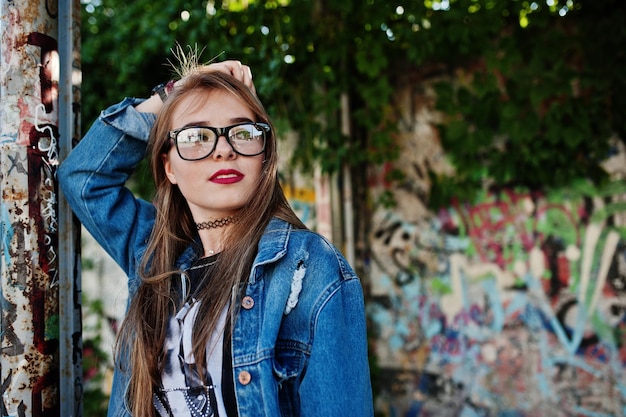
(516, 303)
(48, 69)
(30, 235)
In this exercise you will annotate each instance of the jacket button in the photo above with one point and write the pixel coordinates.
(247, 302)
(244, 377)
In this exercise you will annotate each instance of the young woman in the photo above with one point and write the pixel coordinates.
(235, 308)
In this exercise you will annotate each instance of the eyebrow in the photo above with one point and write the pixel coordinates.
(233, 121)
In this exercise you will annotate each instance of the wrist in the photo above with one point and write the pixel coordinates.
(163, 89)
(152, 104)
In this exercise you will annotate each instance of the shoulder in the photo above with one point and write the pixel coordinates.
(304, 248)
(305, 274)
(316, 246)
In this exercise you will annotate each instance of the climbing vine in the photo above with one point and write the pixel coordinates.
(533, 89)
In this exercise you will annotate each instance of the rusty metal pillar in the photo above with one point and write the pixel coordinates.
(36, 271)
(70, 300)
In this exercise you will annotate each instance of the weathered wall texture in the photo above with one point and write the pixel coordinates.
(28, 156)
(513, 305)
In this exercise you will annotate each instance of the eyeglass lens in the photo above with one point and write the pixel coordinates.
(198, 142)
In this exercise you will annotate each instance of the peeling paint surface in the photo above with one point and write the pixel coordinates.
(28, 160)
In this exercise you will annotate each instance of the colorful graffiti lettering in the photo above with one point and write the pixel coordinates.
(517, 303)
(510, 305)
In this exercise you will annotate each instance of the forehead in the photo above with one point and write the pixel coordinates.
(217, 108)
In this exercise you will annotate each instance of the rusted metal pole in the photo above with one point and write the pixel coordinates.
(31, 278)
(70, 301)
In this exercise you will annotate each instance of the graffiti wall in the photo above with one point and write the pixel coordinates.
(511, 305)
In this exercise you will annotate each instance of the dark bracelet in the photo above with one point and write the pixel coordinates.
(163, 89)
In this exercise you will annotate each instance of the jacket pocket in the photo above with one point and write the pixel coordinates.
(289, 366)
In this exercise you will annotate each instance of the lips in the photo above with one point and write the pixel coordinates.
(226, 176)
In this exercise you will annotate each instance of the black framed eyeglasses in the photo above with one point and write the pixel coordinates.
(198, 142)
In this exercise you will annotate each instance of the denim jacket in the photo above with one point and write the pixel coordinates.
(299, 341)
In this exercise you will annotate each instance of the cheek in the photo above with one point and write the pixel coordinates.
(257, 169)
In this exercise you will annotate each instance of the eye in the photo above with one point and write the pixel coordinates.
(242, 133)
(195, 135)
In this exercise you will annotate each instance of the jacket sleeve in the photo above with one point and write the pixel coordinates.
(93, 180)
(337, 380)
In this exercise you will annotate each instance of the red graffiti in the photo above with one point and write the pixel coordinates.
(49, 58)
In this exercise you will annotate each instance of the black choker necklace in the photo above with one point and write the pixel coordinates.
(214, 224)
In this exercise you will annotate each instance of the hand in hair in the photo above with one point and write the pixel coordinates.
(234, 68)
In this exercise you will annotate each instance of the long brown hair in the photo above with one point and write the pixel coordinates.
(142, 334)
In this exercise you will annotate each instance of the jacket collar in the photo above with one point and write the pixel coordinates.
(189, 255)
(273, 244)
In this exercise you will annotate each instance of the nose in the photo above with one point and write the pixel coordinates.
(223, 150)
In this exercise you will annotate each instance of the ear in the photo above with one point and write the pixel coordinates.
(167, 167)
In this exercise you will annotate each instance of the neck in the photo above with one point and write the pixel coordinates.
(212, 234)
(211, 242)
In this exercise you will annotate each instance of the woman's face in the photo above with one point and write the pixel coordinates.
(220, 184)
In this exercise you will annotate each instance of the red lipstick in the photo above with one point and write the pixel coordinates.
(226, 176)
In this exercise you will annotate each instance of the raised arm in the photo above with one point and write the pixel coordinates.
(93, 180)
(94, 175)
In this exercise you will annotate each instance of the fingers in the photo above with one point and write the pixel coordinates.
(235, 68)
